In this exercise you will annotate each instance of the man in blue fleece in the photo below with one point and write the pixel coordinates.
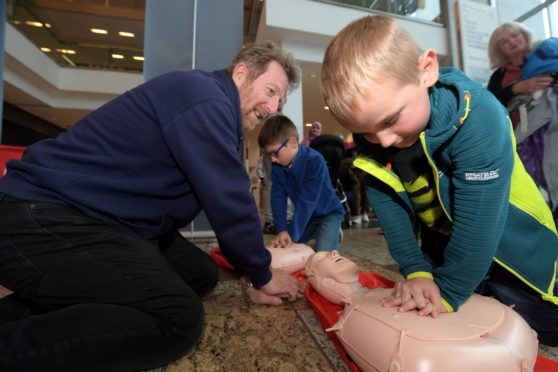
(459, 212)
(89, 240)
(301, 175)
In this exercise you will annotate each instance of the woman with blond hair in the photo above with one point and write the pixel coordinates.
(509, 44)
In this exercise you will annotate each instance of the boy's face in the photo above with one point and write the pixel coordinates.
(395, 115)
(284, 152)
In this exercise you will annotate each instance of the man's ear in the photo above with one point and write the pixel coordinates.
(240, 73)
(428, 68)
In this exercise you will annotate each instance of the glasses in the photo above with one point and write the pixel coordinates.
(275, 154)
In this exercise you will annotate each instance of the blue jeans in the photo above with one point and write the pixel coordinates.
(92, 296)
(541, 315)
(326, 231)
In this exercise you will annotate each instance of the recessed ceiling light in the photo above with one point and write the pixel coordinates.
(99, 31)
(138, 58)
(308, 124)
(66, 51)
(326, 107)
(313, 75)
(34, 24)
(117, 56)
(126, 34)
(45, 49)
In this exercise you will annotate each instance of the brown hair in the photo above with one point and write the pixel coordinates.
(275, 130)
(257, 56)
(368, 50)
(497, 59)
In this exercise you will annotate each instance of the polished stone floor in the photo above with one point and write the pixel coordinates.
(242, 336)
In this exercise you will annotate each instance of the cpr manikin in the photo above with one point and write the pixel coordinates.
(482, 336)
(290, 259)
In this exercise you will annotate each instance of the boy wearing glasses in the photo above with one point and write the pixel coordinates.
(301, 174)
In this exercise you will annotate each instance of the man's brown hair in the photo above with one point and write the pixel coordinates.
(257, 56)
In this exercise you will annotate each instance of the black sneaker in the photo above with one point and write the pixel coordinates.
(269, 228)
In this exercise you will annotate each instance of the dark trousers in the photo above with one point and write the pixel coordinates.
(92, 296)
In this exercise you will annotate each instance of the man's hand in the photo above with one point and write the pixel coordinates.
(281, 285)
(418, 293)
(282, 240)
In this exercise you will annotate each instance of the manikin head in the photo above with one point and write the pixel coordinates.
(334, 277)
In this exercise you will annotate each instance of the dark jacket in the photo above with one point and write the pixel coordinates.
(150, 160)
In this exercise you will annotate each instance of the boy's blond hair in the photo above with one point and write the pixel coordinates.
(368, 50)
(497, 59)
(275, 130)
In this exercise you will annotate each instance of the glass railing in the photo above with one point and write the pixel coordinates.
(426, 10)
(64, 32)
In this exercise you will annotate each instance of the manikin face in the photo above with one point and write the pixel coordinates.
(395, 115)
(332, 265)
(512, 43)
(261, 97)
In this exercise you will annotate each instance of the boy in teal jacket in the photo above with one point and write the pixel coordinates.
(458, 210)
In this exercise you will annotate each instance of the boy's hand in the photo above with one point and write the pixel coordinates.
(418, 293)
(282, 240)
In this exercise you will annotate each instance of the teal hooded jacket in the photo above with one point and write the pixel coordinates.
(496, 210)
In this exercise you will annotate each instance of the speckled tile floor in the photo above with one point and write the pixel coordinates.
(242, 336)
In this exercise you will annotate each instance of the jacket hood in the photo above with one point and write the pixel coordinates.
(451, 99)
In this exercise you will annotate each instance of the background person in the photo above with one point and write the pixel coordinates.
(300, 174)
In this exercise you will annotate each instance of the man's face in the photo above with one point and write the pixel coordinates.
(261, 97)
(391, 115)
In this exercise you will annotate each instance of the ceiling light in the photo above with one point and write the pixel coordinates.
(308, 124)
(34, 24)
(326, 107)
(66, 51)
(45, 49)
(126, 34)
(313, 75)
(117, 56)
(138, 58)
(99, 31)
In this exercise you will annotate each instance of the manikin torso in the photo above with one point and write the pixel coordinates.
(482, 336)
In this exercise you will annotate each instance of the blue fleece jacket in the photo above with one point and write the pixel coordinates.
(150, 160)
(306, 182)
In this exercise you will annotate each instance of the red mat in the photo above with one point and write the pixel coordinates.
(7, 153)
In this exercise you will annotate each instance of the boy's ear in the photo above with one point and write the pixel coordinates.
(293, 141)
(428, 68)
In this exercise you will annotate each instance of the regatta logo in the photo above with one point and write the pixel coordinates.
(482, 176)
